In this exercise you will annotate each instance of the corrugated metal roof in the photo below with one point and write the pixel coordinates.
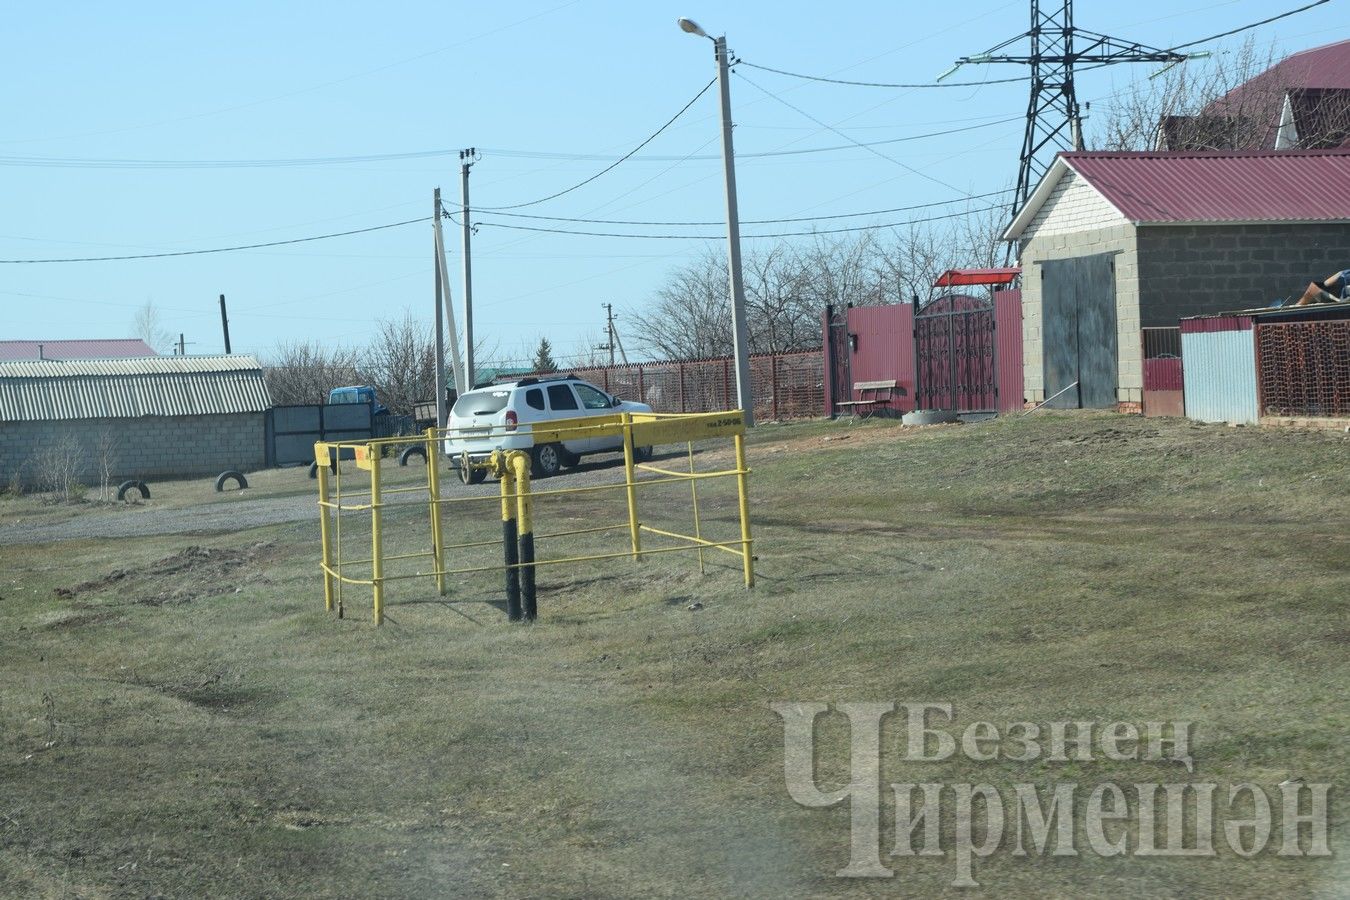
(131, 388)
(1215, 187)
(103, 348)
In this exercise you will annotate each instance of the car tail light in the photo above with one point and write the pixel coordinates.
(511, 420)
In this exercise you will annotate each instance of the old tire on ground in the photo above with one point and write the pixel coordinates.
(642, 454)
(547, 459)
(133, 485)
(409, 452)
(314, 468)
(230, 475)
(568, 459)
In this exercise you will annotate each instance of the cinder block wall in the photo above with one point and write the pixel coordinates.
(146, 448)
(1118, 239)
(1188, 270)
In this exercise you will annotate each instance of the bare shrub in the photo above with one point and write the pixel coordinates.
(105, 455)
(58, 468)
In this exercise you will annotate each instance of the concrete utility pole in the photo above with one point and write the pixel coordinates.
(457, 364)
(740, 333)
(467, 159)
(225, 324)
(440, 327)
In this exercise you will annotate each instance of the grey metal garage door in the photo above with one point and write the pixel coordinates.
(292, 430)
(1078, 330)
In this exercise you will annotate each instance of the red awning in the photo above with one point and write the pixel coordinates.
(954, 277)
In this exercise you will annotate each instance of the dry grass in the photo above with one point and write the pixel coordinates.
(207, 730)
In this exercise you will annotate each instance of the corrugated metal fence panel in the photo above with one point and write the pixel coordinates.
(1162, 375)
(885, 348)
(1216, 323)
(1219, 373)
(1008, 353)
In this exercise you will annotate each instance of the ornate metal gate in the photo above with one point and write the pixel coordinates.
(954, 354)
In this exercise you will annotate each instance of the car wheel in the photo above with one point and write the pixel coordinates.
(547, 460)
(642, 454)
(472, 475)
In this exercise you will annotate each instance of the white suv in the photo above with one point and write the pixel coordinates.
(499, 417)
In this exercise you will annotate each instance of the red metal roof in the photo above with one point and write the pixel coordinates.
(954, 277)
(109, 348)
(1327, 66)
(1221, 186)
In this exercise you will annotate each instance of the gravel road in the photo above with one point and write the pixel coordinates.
(243, 513)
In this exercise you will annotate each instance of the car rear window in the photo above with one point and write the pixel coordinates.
(560, 396)
(481, 403)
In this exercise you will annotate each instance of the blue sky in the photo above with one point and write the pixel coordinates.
(539, 87)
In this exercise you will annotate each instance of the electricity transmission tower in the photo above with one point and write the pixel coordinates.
(1053, 119)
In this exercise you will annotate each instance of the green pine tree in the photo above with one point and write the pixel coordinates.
(543, 357)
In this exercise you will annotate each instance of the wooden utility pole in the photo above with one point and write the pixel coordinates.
(182, 345)
(609, 331)
(225, 324)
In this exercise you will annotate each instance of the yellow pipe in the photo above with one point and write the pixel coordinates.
(715, 545)
(434, 487)
(520, 462)
(633, 532)
(743, 489)
(510, 536)
(693, 492)
(376, 541)
(323, 536)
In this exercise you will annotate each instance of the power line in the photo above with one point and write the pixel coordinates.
(617, 162)
(1223, 34)
(859, 144)
(881, 84)
(317, 237)
(713, 237)
(852, 215)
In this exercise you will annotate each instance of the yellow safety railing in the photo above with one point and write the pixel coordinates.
(515, 499)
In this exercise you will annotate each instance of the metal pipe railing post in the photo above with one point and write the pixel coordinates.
(743, 489)
(434, 489)
(376, 536)
(325, 537)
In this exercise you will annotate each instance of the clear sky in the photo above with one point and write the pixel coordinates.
(550, 91)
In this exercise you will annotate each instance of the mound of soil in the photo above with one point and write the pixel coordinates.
(182, 577)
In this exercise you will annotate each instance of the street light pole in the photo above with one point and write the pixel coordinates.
(740, 333)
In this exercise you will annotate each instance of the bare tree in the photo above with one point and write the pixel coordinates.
(1239, 100)
(300, 372)
(690, 317)
(400, 363)
(149, 327)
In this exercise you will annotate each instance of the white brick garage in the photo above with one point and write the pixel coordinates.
(153, 417)
(1186, 234)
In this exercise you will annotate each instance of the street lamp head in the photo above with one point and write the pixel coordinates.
(689, 26)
